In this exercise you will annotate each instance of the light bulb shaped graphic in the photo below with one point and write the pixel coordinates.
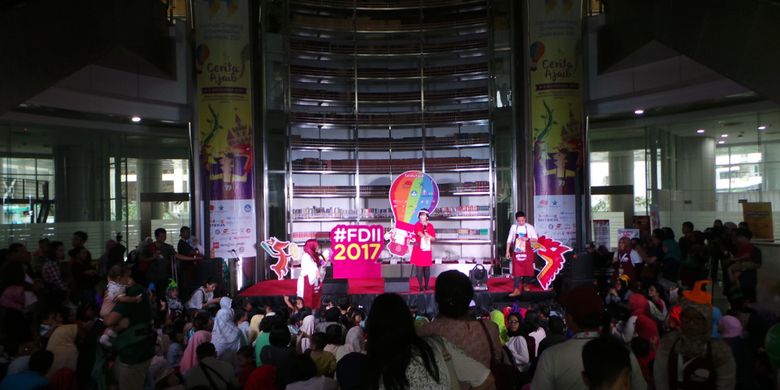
(410, 192)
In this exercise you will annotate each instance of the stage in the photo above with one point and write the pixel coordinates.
(363, 292)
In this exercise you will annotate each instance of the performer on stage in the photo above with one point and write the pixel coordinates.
(519, 242)
(422, 257)
(310, 277)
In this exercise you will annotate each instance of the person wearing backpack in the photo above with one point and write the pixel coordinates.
(210, 372)
(689, 358)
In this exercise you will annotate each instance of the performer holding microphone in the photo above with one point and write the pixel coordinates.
(519, 243)
(422, 258)
(309, 281)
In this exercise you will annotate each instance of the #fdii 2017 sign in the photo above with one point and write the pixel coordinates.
(355, 250)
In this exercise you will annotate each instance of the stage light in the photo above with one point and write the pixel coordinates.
(135, 119)
(700, 131)
(639, 111)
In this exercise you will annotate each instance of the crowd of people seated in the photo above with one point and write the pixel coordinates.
(647, 322)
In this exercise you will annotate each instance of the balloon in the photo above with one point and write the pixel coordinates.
(201, 54)
(772, 344)
(537, 51)
(411, 192)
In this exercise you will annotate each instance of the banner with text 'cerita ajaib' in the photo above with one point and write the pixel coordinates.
(224, 105)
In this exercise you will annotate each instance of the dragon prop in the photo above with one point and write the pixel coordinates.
(551, 251)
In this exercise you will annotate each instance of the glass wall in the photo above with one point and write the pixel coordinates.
(694, 170)
(57, 180)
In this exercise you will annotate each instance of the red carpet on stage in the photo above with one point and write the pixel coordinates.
(270, 288)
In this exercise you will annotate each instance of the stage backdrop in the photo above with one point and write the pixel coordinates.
(224, 104)
(556, 114)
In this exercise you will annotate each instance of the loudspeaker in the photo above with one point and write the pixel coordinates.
(334, 287)
(396, 285)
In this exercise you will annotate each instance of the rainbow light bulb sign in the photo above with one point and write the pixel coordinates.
(410, 192)
(355, 250)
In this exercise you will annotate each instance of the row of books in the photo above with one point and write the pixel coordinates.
(412, 143)
(460, 188)
(383, 165)
(385, 213)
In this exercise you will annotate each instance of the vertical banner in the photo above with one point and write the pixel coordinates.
(758, 216)
(224, 104)
(555, 44)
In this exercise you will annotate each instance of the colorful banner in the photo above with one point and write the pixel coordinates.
(410, 192)
(758, 216)
(355, 251)
(601, 233)
(555, 45)
(224, 104)
(556, 216)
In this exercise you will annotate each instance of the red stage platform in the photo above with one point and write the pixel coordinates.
(272, 288)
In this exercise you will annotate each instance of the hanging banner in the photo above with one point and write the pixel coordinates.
(555, 45)
(758, 216)
(224, 103)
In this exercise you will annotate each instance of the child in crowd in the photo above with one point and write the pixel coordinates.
(175, 307)
(118, 281)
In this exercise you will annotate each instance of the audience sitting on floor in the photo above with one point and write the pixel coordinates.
(649, 321)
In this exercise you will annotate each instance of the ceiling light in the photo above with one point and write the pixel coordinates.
(724, 136)
(762, 127)
(639, 111)
(700, 131)
(721, 142)
(135, 118)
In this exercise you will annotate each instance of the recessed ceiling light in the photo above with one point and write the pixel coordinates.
(639, 111)
(724, 136)
(721, 142)
(762, 127)
(135, 118)
(700, 131)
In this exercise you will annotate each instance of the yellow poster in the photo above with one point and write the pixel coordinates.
(555, 95)
(758, 217)
(224, 96)
(555, 44)
(223, 100)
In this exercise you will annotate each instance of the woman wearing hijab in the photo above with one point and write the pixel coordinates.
(498, 318)
(422, 257)
(190, 359)
(356, 339)
(225, 334)
(63, 345)
(309, 279)
(689, 358)
(307, 330)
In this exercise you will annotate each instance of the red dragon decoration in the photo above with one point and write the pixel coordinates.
(551, 251)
